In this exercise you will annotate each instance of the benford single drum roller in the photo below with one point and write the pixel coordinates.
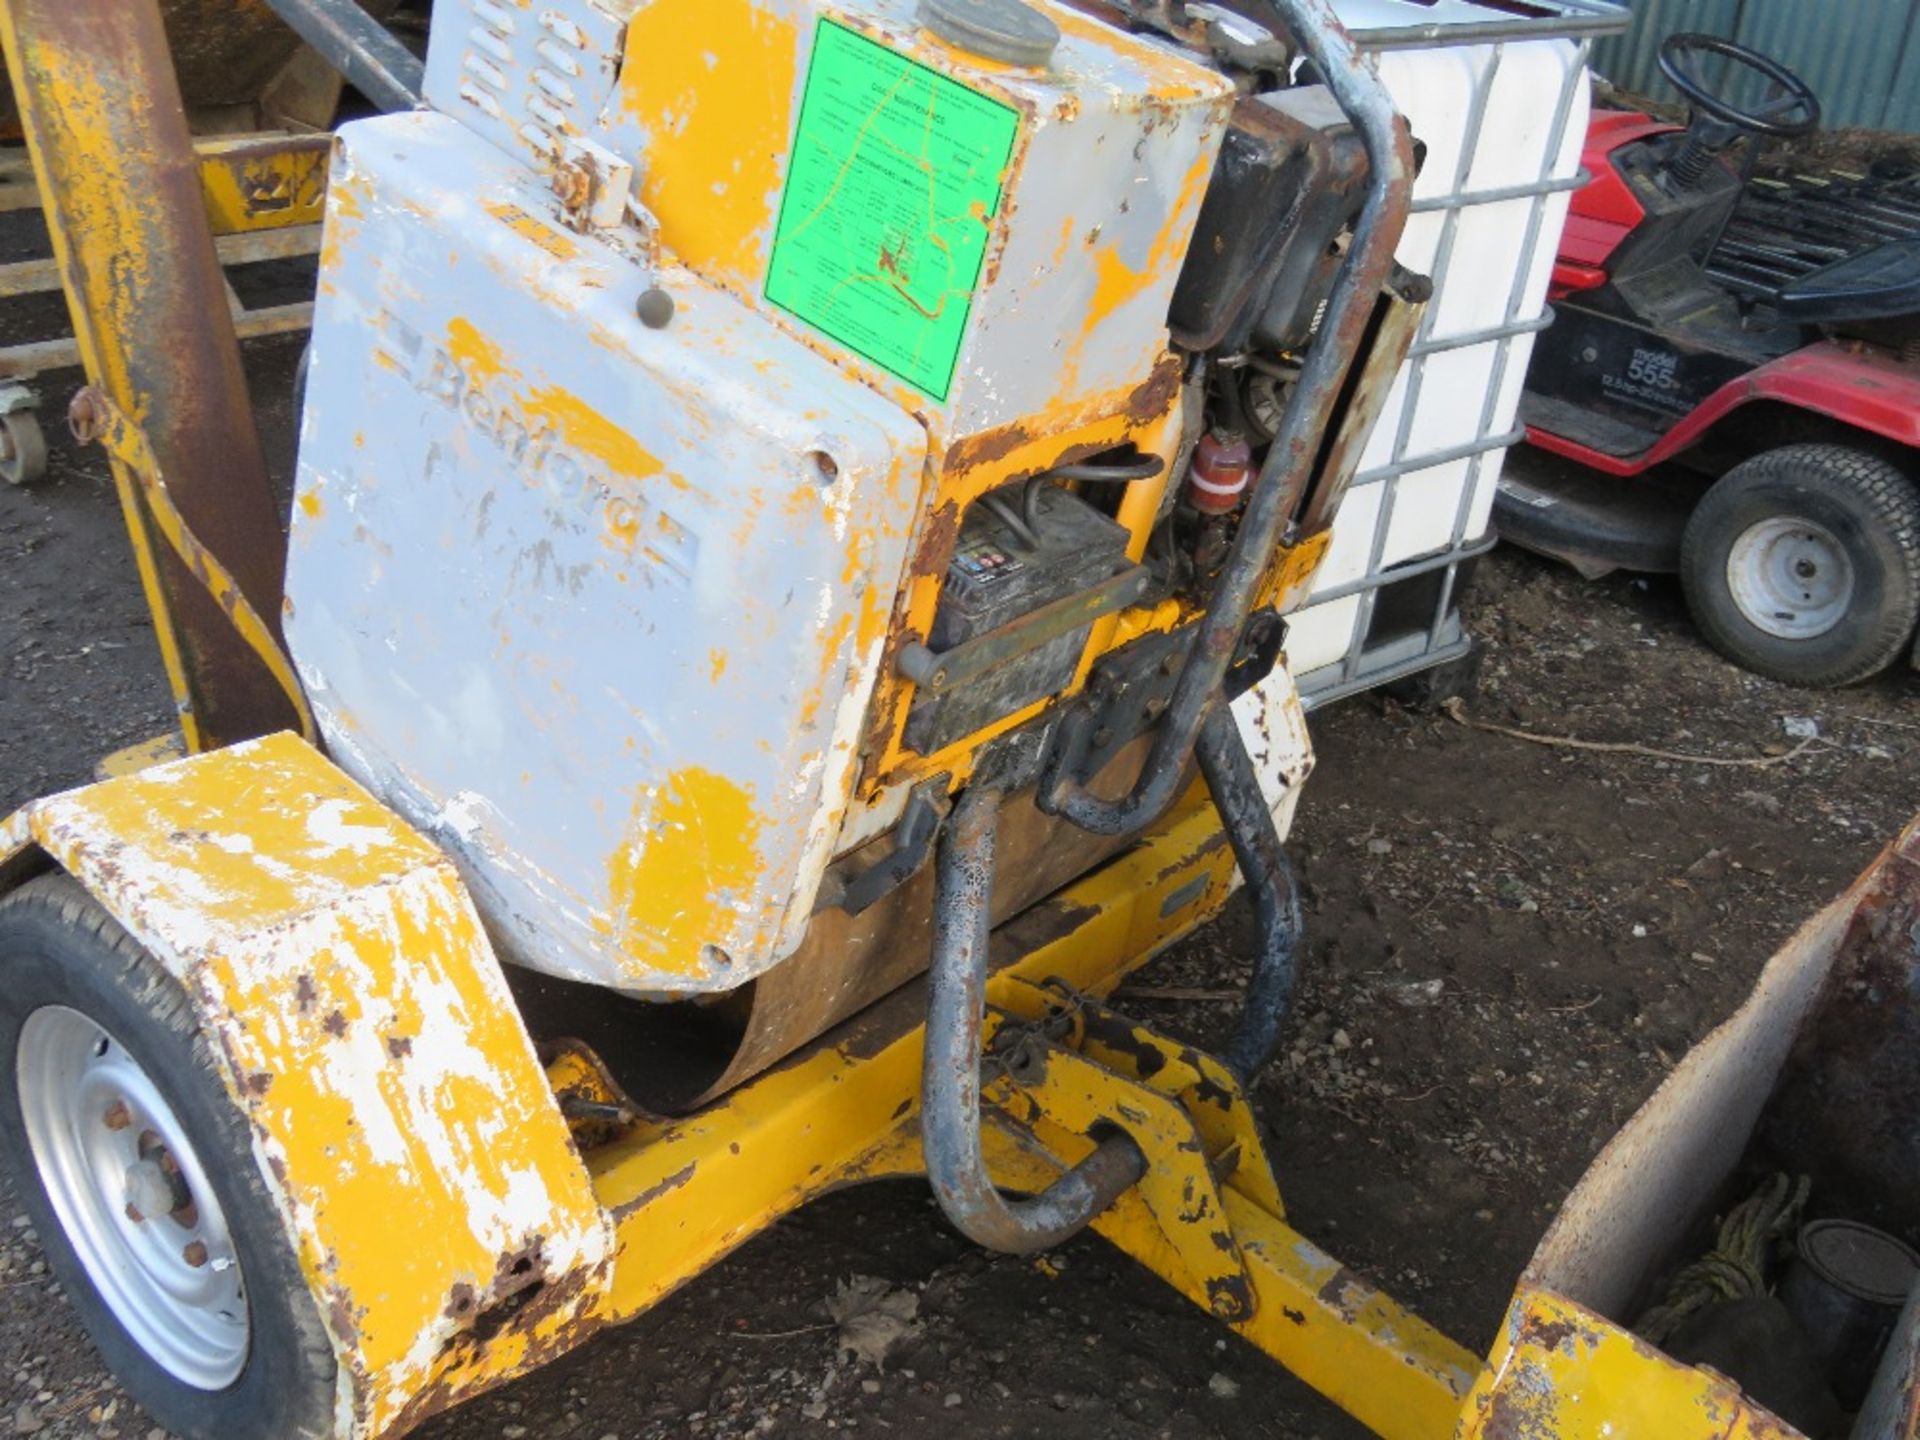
(784, 608)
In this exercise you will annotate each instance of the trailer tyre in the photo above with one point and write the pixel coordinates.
(1803, 564)
(138, 1172)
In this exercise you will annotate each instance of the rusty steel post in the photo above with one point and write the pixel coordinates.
(950, 1067)
(120, 188)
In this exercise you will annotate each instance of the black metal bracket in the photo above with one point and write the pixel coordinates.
(1131, 690)
(938, 672)
(913, 837)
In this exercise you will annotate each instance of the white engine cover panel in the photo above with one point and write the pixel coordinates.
(598, 606)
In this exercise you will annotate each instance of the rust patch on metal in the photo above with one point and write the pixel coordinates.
(1844, 1104)
(1153, 396)
(399, 1046)
(972, 451)
(335, 1024)
(665, 1187)
(1514, 1417)
(1344, 1293)
(1554, 1334)
(522, 1298)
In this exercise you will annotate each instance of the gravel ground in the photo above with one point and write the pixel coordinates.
(1510, 944)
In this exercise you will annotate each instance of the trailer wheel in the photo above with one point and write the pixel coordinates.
(1803, 564)
(139, 1174)
(23, 448)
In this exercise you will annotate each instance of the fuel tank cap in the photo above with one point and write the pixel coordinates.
(1007, 30)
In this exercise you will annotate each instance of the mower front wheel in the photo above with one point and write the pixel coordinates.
(138, 1171)
(1803, 564)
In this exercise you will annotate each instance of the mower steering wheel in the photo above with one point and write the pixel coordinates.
(1788, 117)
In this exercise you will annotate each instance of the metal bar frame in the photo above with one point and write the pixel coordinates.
(42, 277)
(120, 187)
(683, 1193)
(373, 61)
(1275, 493)
(1579, 21)
(1568, 19)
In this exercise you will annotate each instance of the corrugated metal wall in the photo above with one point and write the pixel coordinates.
(1862, 57)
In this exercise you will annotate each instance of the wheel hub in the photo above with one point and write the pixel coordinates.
(1790, 577)
(132, 1197)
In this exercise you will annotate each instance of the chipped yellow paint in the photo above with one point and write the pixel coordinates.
(141, 755)
(363, 1025)
(531, 227)
(686, 1193)
(93, 244)
(1561, 1372)
(584, 428)
(711, 84)
(1174, 77)
(1116, 282)
(1290, 577)
(689, 858)
(478, 354)
(1031, 446)
(254, 182)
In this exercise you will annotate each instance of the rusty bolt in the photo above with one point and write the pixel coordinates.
(573, 185)
(118, 1117)
(87, 415)
(195, 1254)
(1228, 1306)
(654, 307)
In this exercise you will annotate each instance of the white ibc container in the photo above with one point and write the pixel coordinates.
(1496, 94)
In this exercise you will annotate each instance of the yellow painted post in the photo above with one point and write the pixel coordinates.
(121, 191)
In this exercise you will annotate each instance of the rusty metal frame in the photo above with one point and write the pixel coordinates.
(121, 189)
(1284, 474)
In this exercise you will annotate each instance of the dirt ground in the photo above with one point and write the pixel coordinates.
(1510, 945)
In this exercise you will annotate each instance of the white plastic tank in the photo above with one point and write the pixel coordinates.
(1496, 96)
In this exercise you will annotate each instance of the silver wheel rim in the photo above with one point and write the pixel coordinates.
(1790, 578)
(106, 1142)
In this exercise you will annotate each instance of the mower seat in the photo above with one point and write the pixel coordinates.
(1874, 284)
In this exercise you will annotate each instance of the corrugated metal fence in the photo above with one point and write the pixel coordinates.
(1862, 57)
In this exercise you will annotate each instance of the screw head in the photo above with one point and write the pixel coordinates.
(654, 307)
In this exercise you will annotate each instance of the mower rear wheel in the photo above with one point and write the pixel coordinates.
(1803, 564)
(138, 1172)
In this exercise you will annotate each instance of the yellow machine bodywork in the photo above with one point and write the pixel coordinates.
(421, 1156)
(456, 1218)
(363, 1025)
(425, 1170)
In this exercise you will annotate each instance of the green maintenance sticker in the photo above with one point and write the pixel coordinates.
(890, 201)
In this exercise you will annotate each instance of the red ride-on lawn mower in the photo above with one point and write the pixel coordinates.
(1756, 324)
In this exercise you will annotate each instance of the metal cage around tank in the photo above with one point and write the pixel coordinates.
(1418, 513)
